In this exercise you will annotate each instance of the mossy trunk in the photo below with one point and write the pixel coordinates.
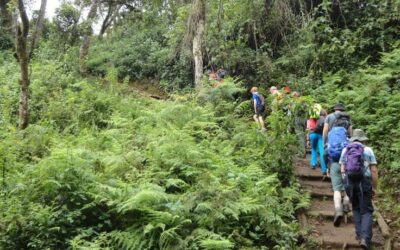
(198, 42)
(198, 54)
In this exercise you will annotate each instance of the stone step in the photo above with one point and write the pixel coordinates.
(317, 188)
(338, 237)
(321, 213)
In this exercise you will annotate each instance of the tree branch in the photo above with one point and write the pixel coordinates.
(24, 19)
(38, 29)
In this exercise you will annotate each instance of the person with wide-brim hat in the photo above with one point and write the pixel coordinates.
(358, 135)
(362, 190)
(339, 107)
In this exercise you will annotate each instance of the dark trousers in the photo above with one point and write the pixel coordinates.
(360, 194)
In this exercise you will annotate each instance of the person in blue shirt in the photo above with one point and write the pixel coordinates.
(362, 191)
(259, 107)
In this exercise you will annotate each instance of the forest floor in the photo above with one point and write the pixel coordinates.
(147, 88)
(318, 222)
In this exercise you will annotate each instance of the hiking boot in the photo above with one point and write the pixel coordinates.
(346, 207)
(338, 218)
(363, 244)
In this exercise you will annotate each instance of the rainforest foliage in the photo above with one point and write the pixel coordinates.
(102, 166)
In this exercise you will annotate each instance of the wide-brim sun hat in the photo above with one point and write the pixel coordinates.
(339, 106)
(358, 135)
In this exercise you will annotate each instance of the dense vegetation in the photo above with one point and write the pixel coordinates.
(102, 167)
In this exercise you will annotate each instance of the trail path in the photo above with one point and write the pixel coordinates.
(318, 220)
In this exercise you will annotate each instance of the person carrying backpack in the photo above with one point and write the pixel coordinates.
(337, 128)
(314, 136)
(259, 107)
(359, 169)
(297, 109)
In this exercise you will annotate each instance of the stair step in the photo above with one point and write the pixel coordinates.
(326, 214)
(337, 237)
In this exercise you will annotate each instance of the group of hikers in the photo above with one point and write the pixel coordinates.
(343, 156)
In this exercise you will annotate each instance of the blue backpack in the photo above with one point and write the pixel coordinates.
(337, 141)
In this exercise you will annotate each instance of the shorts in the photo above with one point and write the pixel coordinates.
(260, 110)
(336, 177)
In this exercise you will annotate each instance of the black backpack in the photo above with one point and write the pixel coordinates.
(319, 127)
(342, 120)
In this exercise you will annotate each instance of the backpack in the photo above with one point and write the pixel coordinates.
(314, 111)
(337, 141)
(262, 99)
(342, 119)
(354, 164)
(312, 124)
(319, 127)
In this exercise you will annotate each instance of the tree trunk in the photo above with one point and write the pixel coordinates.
(197, 45)
(84, 50)
(22, 53)
(24, 83)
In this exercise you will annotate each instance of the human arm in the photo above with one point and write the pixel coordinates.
(374, 174)
(255, 106)
(342, 161)
(325, 131)
(350, 131)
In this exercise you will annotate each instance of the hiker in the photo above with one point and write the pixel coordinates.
(277, 98)
(337, 128)
(221, 73)
(341, 118)
(212, 76)
(298, 109)
(259, 107)
(359, 169)
(315, 127)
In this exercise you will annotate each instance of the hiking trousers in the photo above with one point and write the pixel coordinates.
(299, 130)
(317, 146)
(360, 194)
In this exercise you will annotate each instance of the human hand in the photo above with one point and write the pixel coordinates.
(374, 193)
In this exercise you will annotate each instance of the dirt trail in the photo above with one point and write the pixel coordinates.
(318, 220)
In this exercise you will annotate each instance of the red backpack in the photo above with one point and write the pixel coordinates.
(311, 124)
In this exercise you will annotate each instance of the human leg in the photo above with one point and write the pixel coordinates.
(255, 117)
(337, 186)
(321, 153)
(366, 210)
(261, 122)
(314, 154)
(300, 132)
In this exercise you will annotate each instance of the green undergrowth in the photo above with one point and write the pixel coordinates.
(101, 169)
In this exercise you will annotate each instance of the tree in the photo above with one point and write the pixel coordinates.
(66, 23)
(24, 54)
(112, 8)
(5, 15)
(88, 31)
(196, 28)
(5, 25)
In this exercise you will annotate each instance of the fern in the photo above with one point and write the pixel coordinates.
(216, 244)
